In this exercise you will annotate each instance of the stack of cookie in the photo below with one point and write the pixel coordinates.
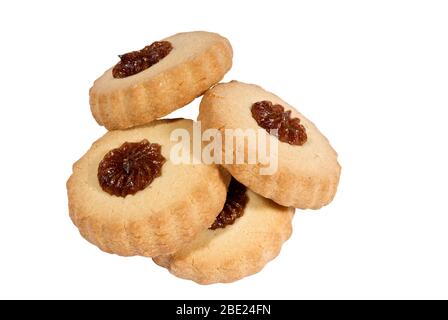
(207, 222)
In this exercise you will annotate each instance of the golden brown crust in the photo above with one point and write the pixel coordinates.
(307, 176)
(179, 204)
(198, 61)
(238, 250)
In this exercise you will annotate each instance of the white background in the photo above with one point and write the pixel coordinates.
(373, 76)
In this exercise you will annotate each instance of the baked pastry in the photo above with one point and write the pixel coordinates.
(162, 77)
(307, 171)
(127, 197)
(245, 236)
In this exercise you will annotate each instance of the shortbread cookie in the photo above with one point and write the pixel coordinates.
(246, 235)
(160, 78)
(307, 173)
(127, 197)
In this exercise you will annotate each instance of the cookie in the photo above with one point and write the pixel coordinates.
(306, 173)
(246, 235)
(162, 77)
(127, 197)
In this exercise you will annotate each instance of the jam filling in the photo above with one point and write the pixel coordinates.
(234, 207)
(272, 117)
(130, 168)
(136, 61)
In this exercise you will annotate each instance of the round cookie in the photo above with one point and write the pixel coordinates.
(239, 249)
(307, 172)
(163, 77)
(127, 197)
